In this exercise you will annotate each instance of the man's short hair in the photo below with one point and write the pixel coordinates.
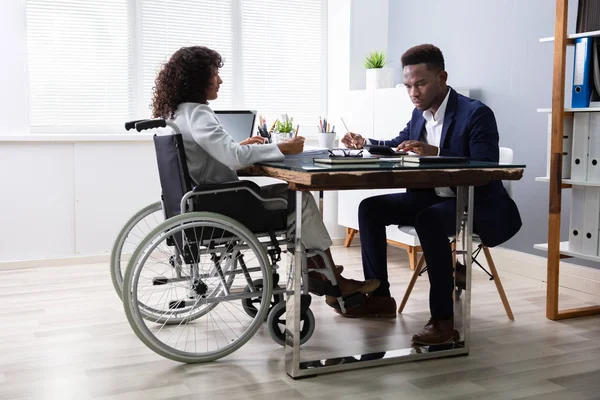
(424, 54)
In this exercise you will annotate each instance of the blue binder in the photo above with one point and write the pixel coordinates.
(582, 73)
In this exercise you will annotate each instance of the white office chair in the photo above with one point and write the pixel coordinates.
(411, 239)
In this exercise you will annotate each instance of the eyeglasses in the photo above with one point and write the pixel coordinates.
(345, 153)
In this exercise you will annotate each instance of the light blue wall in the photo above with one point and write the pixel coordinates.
(492, 47)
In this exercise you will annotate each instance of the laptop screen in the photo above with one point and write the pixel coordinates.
(239, 123)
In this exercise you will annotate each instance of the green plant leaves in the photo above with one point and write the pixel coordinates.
(284, 127)
(375, 59)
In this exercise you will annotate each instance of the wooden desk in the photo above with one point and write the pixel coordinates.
(304, 175)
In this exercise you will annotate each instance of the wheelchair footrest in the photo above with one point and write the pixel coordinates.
(350, 301)
(320, 287)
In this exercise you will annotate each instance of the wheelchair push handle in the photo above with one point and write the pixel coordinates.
(150, 124)
(131, 124)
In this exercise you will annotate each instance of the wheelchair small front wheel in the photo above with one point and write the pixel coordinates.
(276, 323)
(252, 304)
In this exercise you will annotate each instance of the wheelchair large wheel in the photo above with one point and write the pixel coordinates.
(130, 236)
(220, 257)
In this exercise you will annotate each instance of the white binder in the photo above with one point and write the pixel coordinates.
(579, 161)
(591, 209)
(593, 168)
(567, 146)
(576, 223)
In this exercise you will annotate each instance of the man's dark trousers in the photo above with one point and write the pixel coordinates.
(434, 219)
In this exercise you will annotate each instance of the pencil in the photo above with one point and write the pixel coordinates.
(345, 126)
(297, 127)
(348, 131)
(273, 126)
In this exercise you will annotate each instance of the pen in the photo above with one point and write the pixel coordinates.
(297, 127)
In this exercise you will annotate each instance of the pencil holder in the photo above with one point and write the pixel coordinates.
(327, 140)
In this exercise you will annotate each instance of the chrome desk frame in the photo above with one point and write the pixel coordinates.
(296, 368)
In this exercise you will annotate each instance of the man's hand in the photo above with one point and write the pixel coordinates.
(254, 140)
(353, 140)
(421, 148)
(292, 146)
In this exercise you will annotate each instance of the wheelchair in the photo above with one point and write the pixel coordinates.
(204, 273)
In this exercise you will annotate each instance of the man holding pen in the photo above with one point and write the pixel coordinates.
(448, 124)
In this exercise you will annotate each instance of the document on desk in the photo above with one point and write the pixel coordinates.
(312, 153)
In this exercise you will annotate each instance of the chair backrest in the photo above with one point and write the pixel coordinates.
(173, 172)
(506, 157)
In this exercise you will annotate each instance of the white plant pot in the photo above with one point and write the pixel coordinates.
(380, 78)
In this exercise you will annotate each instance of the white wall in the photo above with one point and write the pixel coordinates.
(369, 32)
(13, 70)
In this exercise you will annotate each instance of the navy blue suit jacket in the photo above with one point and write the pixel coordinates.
(470, 130)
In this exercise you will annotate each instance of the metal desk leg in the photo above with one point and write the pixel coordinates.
(292, 308)
(297, 368)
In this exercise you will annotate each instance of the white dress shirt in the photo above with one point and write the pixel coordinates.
(433, 126)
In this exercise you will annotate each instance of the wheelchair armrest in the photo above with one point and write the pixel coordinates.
(253, 188)
(227, 185)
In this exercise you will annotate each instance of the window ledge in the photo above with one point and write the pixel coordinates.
(74, 138)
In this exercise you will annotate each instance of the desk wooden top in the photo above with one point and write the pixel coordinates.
(309, 176)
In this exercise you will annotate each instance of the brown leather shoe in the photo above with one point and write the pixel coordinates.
(374, 307)
(437, 332)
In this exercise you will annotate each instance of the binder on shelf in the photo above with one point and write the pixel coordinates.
(582, 85)
(567, 146)
(593, 168)
(579, 155)
(591, 209)
(588, 16)
(576, 222)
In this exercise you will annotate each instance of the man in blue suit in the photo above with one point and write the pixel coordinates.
(443, 123)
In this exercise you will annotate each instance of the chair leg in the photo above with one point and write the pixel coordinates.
(413, 280)
(498, 283)
(413, 257)
(349, 236)
(453, 249)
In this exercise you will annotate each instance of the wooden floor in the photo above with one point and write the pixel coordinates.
(64, 335)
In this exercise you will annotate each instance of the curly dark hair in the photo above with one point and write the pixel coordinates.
(184, 78)
(424, 54)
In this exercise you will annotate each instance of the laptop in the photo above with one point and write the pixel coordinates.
(238, 123)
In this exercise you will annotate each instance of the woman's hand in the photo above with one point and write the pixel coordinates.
(292, 146)
(254, 140)
(421, 148)
(353, 140)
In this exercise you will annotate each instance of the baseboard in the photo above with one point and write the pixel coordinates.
(54, 262)
(576, 278)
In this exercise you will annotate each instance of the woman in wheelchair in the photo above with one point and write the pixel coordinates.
(183, 88)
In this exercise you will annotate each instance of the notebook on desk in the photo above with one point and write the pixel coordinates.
(433, 159)
(346, 160)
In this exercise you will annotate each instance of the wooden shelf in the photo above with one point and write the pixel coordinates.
(587, 109)
(567, 183)
(572, 36)
(564, 250)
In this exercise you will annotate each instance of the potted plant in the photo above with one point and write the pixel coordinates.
(378, 76)
(284, 129)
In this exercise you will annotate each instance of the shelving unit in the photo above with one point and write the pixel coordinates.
(571, 110)
(572, 37)
(554, 247)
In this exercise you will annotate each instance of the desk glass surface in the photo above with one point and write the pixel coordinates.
(308, 165)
